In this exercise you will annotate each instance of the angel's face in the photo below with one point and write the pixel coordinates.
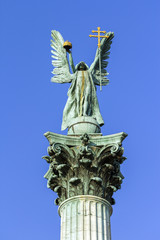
(82, 67)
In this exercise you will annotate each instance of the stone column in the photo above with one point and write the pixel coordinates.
(85, 217)
(85, 171)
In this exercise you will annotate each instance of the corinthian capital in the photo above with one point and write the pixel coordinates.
(84, 165)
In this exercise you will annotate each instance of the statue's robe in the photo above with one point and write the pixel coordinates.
(82, 99)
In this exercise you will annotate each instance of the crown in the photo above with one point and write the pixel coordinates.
(67, 45)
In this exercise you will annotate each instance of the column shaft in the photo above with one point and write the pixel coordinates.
(85, 218)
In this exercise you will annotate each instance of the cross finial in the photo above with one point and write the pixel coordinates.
(99, 36)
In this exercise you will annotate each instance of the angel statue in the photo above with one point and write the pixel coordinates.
(82, 98)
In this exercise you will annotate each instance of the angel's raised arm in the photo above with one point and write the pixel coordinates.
(61, 68)
(100, 61)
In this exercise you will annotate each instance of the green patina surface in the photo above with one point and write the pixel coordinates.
(82, 98)
(90, 165)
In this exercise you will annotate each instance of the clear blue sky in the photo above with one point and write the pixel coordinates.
(31, 105)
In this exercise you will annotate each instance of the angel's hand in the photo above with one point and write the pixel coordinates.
(69, 51)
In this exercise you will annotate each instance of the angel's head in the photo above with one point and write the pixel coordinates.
(81, 66)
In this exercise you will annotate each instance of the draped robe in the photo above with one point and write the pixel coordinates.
(82, 99)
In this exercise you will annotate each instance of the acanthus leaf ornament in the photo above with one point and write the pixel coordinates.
(85, 169)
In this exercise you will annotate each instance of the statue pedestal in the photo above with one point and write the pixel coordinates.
(85, 217)
(81, 125)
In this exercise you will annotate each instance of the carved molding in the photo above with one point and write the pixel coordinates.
(95, 139)
(84, 169)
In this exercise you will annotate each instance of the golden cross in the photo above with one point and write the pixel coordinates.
(99, 36)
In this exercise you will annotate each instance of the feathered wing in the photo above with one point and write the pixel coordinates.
(104, 51)
(61, 68)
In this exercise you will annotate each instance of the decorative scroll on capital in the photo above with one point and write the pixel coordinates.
(85, 168)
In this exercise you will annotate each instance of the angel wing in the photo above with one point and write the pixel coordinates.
(104, 51)
(60, 62)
